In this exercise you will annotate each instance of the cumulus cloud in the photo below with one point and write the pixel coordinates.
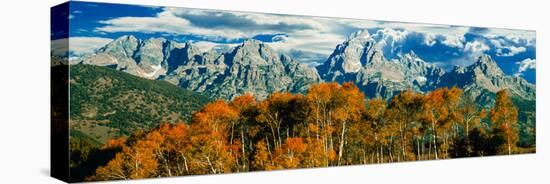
(208, 45)
(506, 37)
(310, 34)
(512, 34)
(455, 42)
(524, 65)
(246, 22)
(451, 36)
(310, 41)
(211, 24)
(279, 38)
(505, 48)
(167, 22)
(390, 38)
(163, 22)
(476, 48)
(311, 38)
(429, 39)
(510, 51)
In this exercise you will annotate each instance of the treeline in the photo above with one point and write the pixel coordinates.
(331, 125)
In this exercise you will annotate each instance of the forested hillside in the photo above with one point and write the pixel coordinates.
(104, 101)
(332, 125)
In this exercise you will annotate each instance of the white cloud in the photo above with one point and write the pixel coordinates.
(390, 37)
(454, 35)
(476, 48)
(470, 53)
(455, 42)
(316, 23)
(171, 20)
(505, 49)
(319, 35)
(318, 38)
(512, 34)
(279, 38)
(164, 22)
(524, 65)
(429, 39)
(512, 50)
(525, 38)
(78, 45)
(310, 41)
(205, 46)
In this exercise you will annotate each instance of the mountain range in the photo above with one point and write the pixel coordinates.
(254, 67)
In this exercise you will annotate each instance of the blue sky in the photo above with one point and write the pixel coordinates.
(308, 39)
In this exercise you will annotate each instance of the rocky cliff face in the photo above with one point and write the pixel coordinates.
(254, 67)
(144, 58)
(360, 60)
(484, 78)
(251, 67)
(349, 57)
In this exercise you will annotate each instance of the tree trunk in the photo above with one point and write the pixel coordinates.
(391, 148)
(435, 145)
(468, 148)
(405, 151)
(279, 132)
(274, 136)
(242, 148)
(381, 154)
(377, 150)
(232, 131)
(211, 166)
(268, 147)
(378, 154)
(423, 152)
(430, 147)
(341, 147)
(185, 164)
(435, 140)
(417, 148)
(509, 147)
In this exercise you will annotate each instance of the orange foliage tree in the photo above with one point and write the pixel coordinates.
(330, 125)
(504, 115)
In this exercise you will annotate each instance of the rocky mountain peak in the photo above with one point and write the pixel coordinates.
(411, 60)
(487, 66)
(348, 58)
(251, 67)
(361, 34)
(254, 52)
(255, 67)
(126, 38)
(123, 40)
(251, 43)
(411, 54)
(125, 45)
(250, 46)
